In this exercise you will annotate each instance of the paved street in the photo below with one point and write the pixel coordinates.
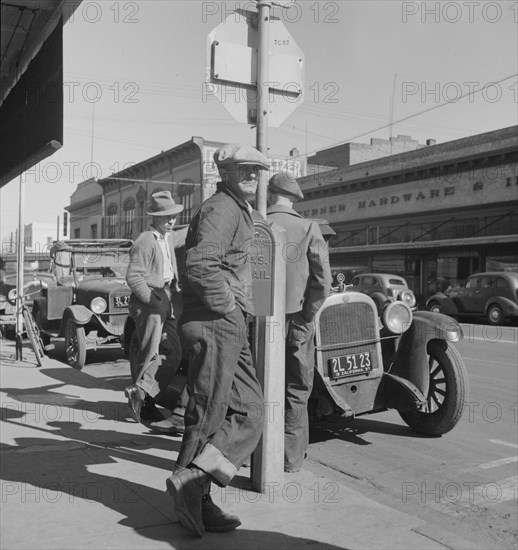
(86, 476)
(468, 477)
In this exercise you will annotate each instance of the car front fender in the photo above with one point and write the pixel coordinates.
(411, 360)
(508, 306)
(79, 314)
(448, 306)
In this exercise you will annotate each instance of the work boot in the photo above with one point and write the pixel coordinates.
(136, 398)
(186, 487)
(149, 411)
(215, 519)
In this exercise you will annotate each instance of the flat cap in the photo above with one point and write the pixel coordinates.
(285, 184)
(239, 153)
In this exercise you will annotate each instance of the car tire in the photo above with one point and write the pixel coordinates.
(495, 315)
(446, 394)
(434, 307)
(75, 345)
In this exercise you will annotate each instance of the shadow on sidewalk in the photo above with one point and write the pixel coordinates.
(69, 482)
(352, 431)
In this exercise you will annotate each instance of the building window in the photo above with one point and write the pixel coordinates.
(129, 217)
(93, 231)
(186, 193)
(112, 221)
(77, 233)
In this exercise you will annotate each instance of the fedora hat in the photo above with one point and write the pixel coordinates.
(285, 184)
(239, 153)
(162, 204)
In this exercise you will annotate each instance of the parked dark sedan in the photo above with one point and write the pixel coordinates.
(383, 288)
(493, 294)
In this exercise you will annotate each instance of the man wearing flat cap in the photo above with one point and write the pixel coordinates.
(308, 283)
(221, 428)
(152, 276)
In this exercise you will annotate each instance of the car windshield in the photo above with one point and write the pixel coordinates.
(103, 263)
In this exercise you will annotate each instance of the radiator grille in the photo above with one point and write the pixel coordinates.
(344, 324)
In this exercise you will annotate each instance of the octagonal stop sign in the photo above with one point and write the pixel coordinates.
(232, 68)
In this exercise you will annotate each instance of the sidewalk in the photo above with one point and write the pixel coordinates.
(76, 473)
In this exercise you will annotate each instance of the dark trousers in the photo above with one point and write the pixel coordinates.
(160, 351)
(224, 415)
(300, 351)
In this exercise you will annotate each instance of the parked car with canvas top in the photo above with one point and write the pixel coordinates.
(89, 305)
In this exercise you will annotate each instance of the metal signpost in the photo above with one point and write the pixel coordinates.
(256, 70)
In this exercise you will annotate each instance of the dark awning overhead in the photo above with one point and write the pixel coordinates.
(31, 82)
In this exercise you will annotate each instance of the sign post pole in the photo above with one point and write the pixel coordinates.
(263, 61)
(269, 285)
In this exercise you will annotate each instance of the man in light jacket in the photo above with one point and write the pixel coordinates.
(152, 276)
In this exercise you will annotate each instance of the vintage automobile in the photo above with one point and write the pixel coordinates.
(403, 360)
(384, 288)
(493, 294)
(89, 304)
(8, 294)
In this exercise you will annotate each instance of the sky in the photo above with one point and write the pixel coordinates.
(134, 82)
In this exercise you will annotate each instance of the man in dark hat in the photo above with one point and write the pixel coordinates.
(152, 276)
(308, 283)
(220, 433)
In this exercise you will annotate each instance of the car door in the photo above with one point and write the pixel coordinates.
(482, 294)
(466, 296)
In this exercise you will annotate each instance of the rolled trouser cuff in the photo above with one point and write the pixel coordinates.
(212, 461)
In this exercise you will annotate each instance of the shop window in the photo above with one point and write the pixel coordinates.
(394, 265)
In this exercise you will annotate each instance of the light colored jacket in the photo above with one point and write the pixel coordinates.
(308, 275)
(146, 267)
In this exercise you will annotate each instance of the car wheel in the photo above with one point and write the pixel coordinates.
(446, 394)
(75, 344)
(434, 307)
(495, 315)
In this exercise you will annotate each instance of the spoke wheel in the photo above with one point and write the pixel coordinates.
(447, 392)
(75, 345)
(33, 332)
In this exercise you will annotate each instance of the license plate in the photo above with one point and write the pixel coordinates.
(121, 301)
(347, 365)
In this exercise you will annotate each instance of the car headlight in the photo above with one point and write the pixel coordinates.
(98, 305)
(407, 296)
(397, 317)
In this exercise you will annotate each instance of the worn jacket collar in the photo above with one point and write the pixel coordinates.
(242, 202)
(283, 209)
